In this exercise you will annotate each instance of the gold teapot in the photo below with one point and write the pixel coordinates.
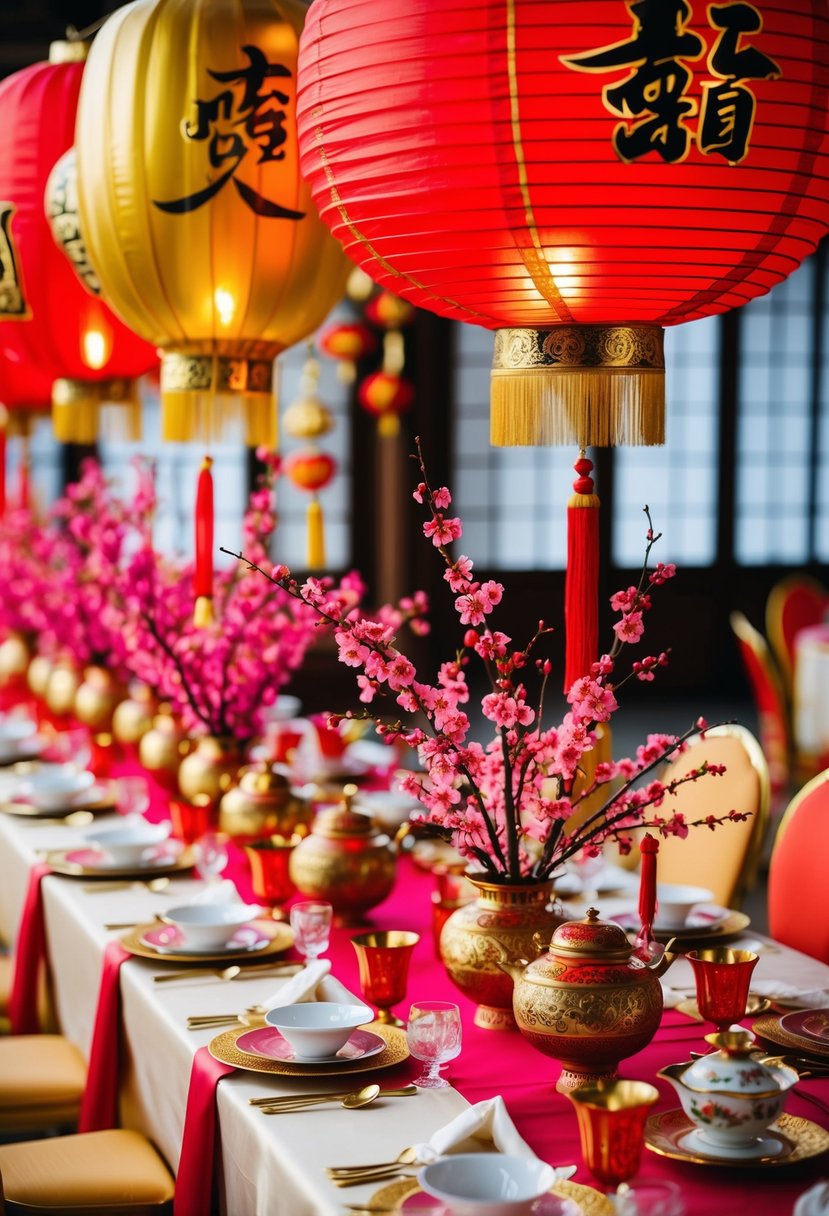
(589, 1001)
(96, 698)
(345, 860)
(263, 804)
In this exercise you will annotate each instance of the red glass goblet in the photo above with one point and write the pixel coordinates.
(611, 1119)
(722, 977)
(269, 870)
(383, 959)
(190, 820)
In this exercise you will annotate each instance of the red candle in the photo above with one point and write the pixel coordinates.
(203, 578)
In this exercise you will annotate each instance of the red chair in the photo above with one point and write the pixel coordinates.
(798, 872)
(769, 701)
(793, 604)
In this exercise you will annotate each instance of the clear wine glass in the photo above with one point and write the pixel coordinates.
(210, 855)
(433, 1033)
(311, 923)
(71, 747)
(132, 795)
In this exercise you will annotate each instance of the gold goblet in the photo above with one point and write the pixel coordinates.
(383, 959)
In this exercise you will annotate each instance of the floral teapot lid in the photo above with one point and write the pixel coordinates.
(591, 938)
(736, 1068)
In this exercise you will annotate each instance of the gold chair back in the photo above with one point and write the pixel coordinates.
(724, 861)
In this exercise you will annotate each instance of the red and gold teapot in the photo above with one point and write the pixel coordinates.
(589, 1001)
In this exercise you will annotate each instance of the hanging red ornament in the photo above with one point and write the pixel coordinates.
(388, 311)
(312, 470)
(347, 342)
(49, 320)
(387, 396)
(203, 576)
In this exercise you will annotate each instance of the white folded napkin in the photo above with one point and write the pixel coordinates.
(671, 997)
(223, 892)
(484, 1127)
(790, 994)
(313, 983)
(814, 1202)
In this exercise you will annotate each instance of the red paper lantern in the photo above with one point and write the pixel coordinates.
(388, 311)
(348, 343)
(387, 396)
(48, 319)
(311, 469)
(576, 176)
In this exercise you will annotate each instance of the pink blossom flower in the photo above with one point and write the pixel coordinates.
(442, 531)
(630, 628)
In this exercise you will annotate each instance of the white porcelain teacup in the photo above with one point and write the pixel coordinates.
(318, 1029)
(487, 1184)
(130, 842)
(675, 902)
(52, 787)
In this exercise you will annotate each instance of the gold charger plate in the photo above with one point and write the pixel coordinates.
(58, 861)
(588, 1201)
(281, 936)
(224, 1049)
(686, 939)
(754, 1007)
(769, 1028)
(801, 1139)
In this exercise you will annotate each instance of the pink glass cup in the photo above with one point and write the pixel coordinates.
(723, 978)
(611, 1119)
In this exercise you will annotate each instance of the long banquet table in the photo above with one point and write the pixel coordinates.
(276, 1164)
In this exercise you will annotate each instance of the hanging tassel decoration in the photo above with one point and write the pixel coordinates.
(648, 847)
(581, 584)
(203, 578)
(315, 535)
(4, 422)
(24, 475)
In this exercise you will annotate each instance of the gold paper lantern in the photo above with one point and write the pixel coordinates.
(202, 232)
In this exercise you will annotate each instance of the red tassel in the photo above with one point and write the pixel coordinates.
(24, 483)
(648, 847)
(4, 418)
(203, 578)
(581, 583)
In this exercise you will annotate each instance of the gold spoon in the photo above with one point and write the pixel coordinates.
(351, 1101)
(230, 973)
(151, 884)
(406, 1156)
(254, 1015)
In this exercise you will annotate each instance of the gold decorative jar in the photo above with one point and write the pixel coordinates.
(62, 687)
(210, 769)
(163, 747)
(506, 921)
(589, 1001)
(345, 860)
(133, 717)
(15, 657)
(96, 698)
(37, 676)
(263, 804)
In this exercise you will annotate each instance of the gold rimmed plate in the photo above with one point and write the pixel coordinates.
(697, 933)
(272, 937)
(784, 1031)
(101, 801)
(80, 863)
(565, 1199)
(224, 1049)
(789, 1140)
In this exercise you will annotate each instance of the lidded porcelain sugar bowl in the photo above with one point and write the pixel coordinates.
(732, 1094)
(345, 860)
(589, 1001)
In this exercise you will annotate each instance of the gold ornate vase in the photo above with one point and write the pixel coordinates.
(15, 656)
(62, 686)
(163, 747)
(96, 698)
(133, 717)
(345, 861)
(37, 677)
(498, 927)
(210, 769)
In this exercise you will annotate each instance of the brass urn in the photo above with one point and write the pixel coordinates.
(15, 657)
(209, 769)
(62, 687)
(502, 924)
(96, 698)
(133, 716)
(263, 804)
(37, 677)
(163, 747)
(589, 1001)
(345, 860)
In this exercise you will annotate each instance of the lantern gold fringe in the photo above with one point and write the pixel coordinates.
(388, 426)
(210, 398)
(591, 407)
(315, 535)
(590, 385)
(85, 411)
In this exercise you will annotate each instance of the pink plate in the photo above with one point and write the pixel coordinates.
(269, 1043)
(92, 859)
(546, 1205)
(168, 939)
(809, 1024)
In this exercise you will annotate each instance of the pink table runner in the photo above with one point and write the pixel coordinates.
(195, 1177)
(99, 1106)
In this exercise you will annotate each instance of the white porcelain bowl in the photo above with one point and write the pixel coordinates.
(53, 786)
(674, 904)
(487, 1184)
(210, 926)
(318, 1029)
(15, 733)
(127, 844)
(385, 807)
